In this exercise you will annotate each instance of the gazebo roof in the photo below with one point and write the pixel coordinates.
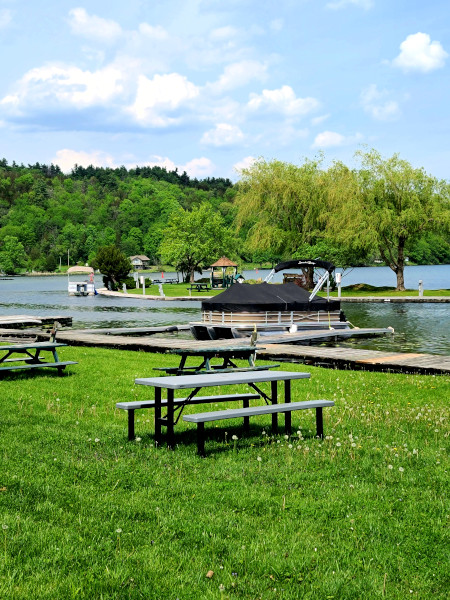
(224, 262)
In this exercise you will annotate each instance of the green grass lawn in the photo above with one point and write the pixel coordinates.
(181, 289)
(85, 514)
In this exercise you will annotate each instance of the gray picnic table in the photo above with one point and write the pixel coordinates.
(30, 355)
(198, 382)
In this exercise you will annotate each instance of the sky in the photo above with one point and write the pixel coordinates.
(209, 86)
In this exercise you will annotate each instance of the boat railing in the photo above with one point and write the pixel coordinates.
(268, 317)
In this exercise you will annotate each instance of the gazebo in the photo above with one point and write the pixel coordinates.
(223, 273)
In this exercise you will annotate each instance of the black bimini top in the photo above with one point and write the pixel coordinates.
(246, 297)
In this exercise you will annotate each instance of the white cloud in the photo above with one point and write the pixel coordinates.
(91, 26)
(223, 33)
(238, 74)
(5, 18)
(245, 163)
(283, 100)
(366, 4)
(419, 53)
(46, 86)
(329, 139)
(197, 167)
(155, 32)
(377, 104)
(66, 159)
(224, 134)
(320, 119)
(162, 94)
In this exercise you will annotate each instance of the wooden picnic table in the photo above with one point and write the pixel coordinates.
(199, 382)
(30, 354)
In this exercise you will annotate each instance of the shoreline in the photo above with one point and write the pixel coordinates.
(350, 299)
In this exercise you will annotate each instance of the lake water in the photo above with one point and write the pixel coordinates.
(418, 327)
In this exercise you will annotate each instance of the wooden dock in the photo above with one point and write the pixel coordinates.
(338, 358)
(22, 321)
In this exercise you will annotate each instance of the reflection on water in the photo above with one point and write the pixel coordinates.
(418, 327)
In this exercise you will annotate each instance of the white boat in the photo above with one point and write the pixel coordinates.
(81, 288)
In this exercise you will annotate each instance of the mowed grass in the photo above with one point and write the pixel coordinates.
(84, 513)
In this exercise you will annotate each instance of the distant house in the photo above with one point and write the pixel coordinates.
(140, 261)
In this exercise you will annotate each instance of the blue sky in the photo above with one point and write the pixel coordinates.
(207, 86)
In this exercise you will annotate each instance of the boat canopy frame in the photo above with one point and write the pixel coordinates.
(315, 263)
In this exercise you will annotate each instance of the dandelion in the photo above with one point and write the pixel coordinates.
(263, 433)
(97, 440)
(221, 587)
(118, 530)
(235, 437)
(138, 439)
(401, 469)
(390, 467)
(338, 444)
(4, 526)
(286, 437)
(353, 445)
(258, 458)
(290, 446)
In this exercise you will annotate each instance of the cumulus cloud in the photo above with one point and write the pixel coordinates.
(320, 119)
(330, 139)
(283, 100)
(419, 53)
(5, 18)
(161, 95)
(223, 134)
(238, 74)
(66, 159)
(366, 4)
(245, 163)
(197, 167)
(93, 27)
(154, 32)
(52, 85)
(378, 104)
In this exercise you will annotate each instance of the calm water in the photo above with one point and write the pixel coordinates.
(418, 327)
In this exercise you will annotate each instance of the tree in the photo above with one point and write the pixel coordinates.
(194, 240)
(113, 265)
(386, 205)
(280, 204)
(12, 255)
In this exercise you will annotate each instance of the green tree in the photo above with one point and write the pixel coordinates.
(280, 204)
(194, 239)
(113, 265)
(12, 255)
(386, 205)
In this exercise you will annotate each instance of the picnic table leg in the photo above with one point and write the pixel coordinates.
(287, 415)
(201, 439)
(131, 434)
(273, 385)
(157, 415)
(245, 404)
(170, 437)
(319, 422)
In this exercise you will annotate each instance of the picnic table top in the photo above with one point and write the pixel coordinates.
(32, 345)
(180, 382)
(216, 351)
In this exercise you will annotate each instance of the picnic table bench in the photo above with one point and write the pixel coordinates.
(30, 354)
(198, 382)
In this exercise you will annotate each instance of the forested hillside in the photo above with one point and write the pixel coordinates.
(386, 210)
(52, 214)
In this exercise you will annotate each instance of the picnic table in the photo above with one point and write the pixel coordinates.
(200, 287)
(226, 355)
(30, 355)
(199, 382)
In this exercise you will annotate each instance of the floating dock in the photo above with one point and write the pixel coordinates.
(338, 358)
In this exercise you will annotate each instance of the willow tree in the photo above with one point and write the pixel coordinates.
(384, 205)
(279, 205)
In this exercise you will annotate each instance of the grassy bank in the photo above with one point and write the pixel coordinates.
(181, 289)
(86, 514)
